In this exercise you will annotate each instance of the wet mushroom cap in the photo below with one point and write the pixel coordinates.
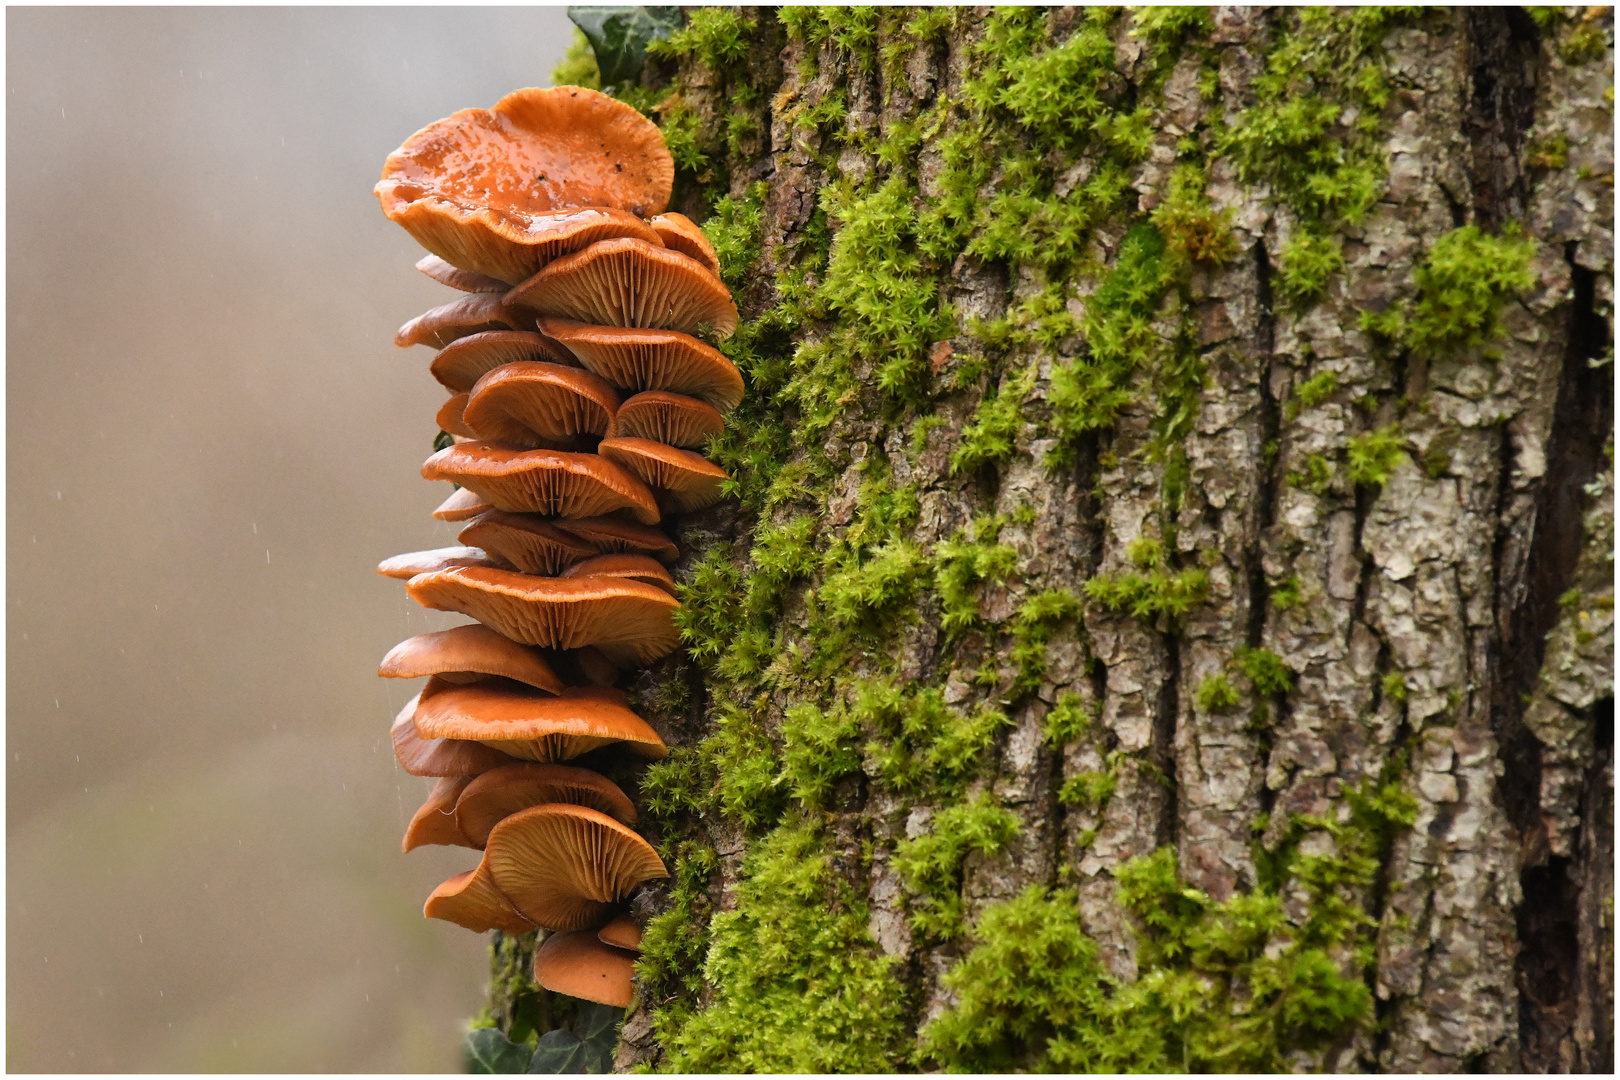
(687, 481)
(641, 359)
(464, 654)
(628, 620)
(621, 933)
(630, 283)
(474, 313)
(461, 505)
(672, 419)
(439, 757)
(678, 233)
(543, 481)
(471, 900)
(457, 278)
(532, 544)
(460, 364)
(435, 822)
(578, 964)
(451, 417)
(528, 404)
(498, 794)
(531, 725)
(563, 866)
(643, 568)
(412, 563)
(611, 535)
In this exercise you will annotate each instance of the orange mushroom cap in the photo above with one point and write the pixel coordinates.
(457, 278)
(529, 404)
(412, 563)
(439, 757)
(686, 481)
(642, 568)
(435, 822)
(460, 364)
(672, 419)
(465, 654)
(613, 535)
(472, 900)
(576, 963)
(564, 866)
(461, 505)
(543, 481)
(531, 725)
(641, 359)
(679, 233)
(496, 795)
(481, 186)
(474, 313)
(630, 282)
(629, 621)
(451, 417)
(621, 933)
(532, 544)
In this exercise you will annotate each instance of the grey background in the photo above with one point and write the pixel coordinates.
(211, 441)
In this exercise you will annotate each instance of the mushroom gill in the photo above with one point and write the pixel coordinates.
(630, 283)
(564, 867)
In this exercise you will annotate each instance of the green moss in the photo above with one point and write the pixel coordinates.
(1068, 720)
(716, 36)
(1089, 790)
(1150, 595)
(1394, 686)
(968, 558)
(1216, 694)
(734, 231)
(915, 742)
(578, 65)
(1375, 455)
(1549, 153)
(1037, 621)
(990, 436)
(931, 864)
(1461, 288)
(1317, 477)
(1193, 230)
(1317, 389)
(1287, 593)
(1308, 263)
(1265, 671)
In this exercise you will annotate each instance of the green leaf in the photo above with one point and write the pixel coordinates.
(489, 1051)
(620, 35)
(589, 1051)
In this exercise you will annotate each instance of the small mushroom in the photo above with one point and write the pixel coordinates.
(621, 933)
(564, 867)
(435, 822)
(672, 419)
(679, 234)
(439, 757)
(630, 283)
(473, 314)
(460, 364)
(543, 481)
(412, 563)
(457, 278)
(643, 568)
(461, 505)
(640, 359)
(530, 725)
(612, 535)
(684, 480)
(597, 669)
(464, 654)
(471, 900)
(450, 418)
(528, 405)
(578, 964)
(627, 620)
(496, 795)
(532, 544)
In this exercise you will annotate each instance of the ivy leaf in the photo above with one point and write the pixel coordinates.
(620, 35)
(589, 1051)
(489, 1051)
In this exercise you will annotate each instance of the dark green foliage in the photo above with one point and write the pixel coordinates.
(486, 1050)
(587, 1049)
(620, 37)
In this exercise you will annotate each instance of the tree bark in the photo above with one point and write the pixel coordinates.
(1413, 515)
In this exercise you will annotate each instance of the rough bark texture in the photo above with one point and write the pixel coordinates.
(1419, 527)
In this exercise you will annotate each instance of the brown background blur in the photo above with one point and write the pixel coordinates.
(211, 440)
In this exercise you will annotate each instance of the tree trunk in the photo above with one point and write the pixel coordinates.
(1165, 617)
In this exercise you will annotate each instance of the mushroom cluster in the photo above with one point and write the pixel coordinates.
(579, 390)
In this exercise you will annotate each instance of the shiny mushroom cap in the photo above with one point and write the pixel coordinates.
(472, 900)
(564, 867)
(621, 933)
(642, 568)
(672, 419)
(578, 964)
(500, 793)
(461, 505)
(630, 283)
(439, 757)
(532, 544)
(528, 405)
(543, 481)
(466, 654)
(678, 233)
(612, 535)
(457, 278)
(460, 364)
(451, 418)
(638, 359)
(530, 725)
(630, 622)
(435, 822)
(684, 481)
(412, 563)
(473, 314)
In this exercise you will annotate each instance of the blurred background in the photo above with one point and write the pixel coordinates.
(211, 441)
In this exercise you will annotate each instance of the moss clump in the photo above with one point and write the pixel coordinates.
(578, 65)
(931, 864)
(991, 434)
(1216, 694)
(968, 558)
(1265, 671)
(1068, 720)
(734, 230)
(1309, 261)
(1037, 621)
(1160, 592)
(1461, 288)
(1315, 390)
(1375, 455)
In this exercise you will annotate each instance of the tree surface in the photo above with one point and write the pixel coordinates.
(1163, 615)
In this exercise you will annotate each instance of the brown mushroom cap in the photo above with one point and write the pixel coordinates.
(439, 757)
(472, 900)
(532, 544)
(630, 283)
(450, 417)
(685, 481)
(576, 963)
(613, 535)
(412, 563)
(672, 419)
(597, 669)
(472, 314)
(460, 364)
(679, 233)
(642, 568)
(528, 404)
(629, 621)
(500, 793)
(621, 933)
(457, 278)
(464, 654)
(564, 866)
(461, 505)
(543, 481)
(435, 822)
(531, 725)
(639, 359)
